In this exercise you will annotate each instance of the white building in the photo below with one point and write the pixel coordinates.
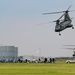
(8, 52)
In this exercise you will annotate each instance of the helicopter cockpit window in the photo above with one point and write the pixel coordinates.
(57, 27)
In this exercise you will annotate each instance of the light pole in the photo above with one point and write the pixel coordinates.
(39, 52)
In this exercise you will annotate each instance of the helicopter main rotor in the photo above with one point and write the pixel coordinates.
(70, 47)
(59, 11)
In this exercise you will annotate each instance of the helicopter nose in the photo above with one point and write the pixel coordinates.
(57, 28)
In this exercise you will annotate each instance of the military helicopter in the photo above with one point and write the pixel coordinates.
(71, 47)
(62, 24)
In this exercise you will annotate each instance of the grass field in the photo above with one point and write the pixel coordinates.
(37, 69)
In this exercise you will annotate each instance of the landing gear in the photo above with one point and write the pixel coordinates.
(72, 27)
(59, 33)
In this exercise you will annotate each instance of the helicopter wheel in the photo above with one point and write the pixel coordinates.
(72, 27)
(59, 33)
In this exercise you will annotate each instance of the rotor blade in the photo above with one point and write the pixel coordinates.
(61, 16)
(57, 12)
(69, 7)
(52, 13)
(59, 19)
(70, 48)
(68, 11)
(68, 45)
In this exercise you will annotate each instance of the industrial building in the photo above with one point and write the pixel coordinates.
(8, 52)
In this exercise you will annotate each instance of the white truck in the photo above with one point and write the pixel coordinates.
(70, 61)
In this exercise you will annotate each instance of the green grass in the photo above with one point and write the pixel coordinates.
(37, 69)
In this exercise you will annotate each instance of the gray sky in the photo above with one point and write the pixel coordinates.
(18, 19)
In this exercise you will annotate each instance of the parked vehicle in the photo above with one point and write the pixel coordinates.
(70, 61)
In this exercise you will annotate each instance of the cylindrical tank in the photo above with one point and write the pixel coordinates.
(8, 52)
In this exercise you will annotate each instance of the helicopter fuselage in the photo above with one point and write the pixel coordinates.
(66, 23)
(63, 25)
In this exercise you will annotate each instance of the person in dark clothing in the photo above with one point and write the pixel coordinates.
(45, 60)
(39, 60)
(53, 60)
(26, 60)
(50, 60)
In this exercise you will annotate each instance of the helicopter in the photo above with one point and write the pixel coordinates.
(62, 24)
(71, 47)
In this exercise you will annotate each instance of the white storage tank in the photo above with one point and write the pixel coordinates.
(8, 52)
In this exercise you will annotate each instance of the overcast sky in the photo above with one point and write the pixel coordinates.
(18, 19)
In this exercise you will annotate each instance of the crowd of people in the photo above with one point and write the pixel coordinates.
(44, 60)
(51, 60)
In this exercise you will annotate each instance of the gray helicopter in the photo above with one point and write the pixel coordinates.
(71, 47)
(62, 24)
